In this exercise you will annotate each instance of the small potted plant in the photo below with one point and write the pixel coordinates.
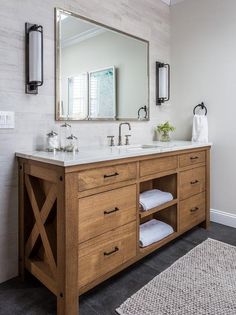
(164, 130)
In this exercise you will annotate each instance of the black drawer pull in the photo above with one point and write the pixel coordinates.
(194, 209)
(112, 252)
(111, 211)
(194, 157)
(195, 182)
(111, 175)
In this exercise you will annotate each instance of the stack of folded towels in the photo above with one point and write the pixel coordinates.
(154, 231)
(154, 198)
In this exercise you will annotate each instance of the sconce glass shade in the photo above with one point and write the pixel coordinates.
(34, 58)
(162, 83)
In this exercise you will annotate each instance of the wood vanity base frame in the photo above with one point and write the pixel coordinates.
(79, 225)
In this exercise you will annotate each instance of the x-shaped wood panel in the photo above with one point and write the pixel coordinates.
(40, 219)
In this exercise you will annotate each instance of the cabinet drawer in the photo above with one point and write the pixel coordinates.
(192, 211)
(103, 212)
(104, 253)
(106, 175)
(158, 165)
(191, 158)
(192, 182)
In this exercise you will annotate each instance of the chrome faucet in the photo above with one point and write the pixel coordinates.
(120, 137)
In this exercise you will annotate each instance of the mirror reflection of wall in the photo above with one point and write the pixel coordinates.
(104, 74)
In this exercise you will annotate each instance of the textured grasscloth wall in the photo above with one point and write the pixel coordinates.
(35, 114)
(203, 50)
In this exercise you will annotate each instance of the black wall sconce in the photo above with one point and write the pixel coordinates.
(34, 57)
(162, 82)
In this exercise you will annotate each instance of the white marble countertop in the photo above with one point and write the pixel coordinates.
(98, 154)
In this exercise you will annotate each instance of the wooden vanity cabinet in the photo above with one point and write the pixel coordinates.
(79, 225)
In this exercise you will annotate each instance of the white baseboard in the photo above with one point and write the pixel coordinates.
(222, 217)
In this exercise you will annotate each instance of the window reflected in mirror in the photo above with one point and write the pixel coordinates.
(102, 94)
(78, 96)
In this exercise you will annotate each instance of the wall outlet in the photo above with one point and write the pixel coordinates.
(7, 120)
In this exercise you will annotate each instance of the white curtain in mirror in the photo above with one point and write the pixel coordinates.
(78, 96)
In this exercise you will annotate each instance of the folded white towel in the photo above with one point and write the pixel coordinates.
(153, 231)
(153, 198)
(200, 128)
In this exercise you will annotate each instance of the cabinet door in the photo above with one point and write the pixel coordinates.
(104, 253)
(192, 211)
(192, 158)
(153, 166)
(103, 212)
(192, 182)
(106, 175)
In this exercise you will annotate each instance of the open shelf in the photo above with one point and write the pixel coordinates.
(148, 249)
(168, 210)
(147, 213)
(166, 183)
(167, 214)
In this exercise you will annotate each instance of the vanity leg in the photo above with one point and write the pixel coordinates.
(21, 184)
(67, 245)
(206, 223)
(208, 188)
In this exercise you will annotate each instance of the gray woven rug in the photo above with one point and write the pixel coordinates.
(201, 282)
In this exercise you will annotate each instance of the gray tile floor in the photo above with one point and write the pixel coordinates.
(31, 298)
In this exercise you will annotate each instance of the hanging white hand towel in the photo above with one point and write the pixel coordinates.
(200, 128)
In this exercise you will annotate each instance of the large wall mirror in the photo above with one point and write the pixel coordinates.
(101, 73)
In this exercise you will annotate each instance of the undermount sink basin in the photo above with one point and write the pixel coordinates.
(138, 147)
(144, 146)
(150, 146)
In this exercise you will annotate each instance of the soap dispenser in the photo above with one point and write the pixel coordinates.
(52, 141)
(72, 144)
(65, 131)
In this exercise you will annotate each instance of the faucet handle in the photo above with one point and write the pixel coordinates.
(111, 138)
(127, 139)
